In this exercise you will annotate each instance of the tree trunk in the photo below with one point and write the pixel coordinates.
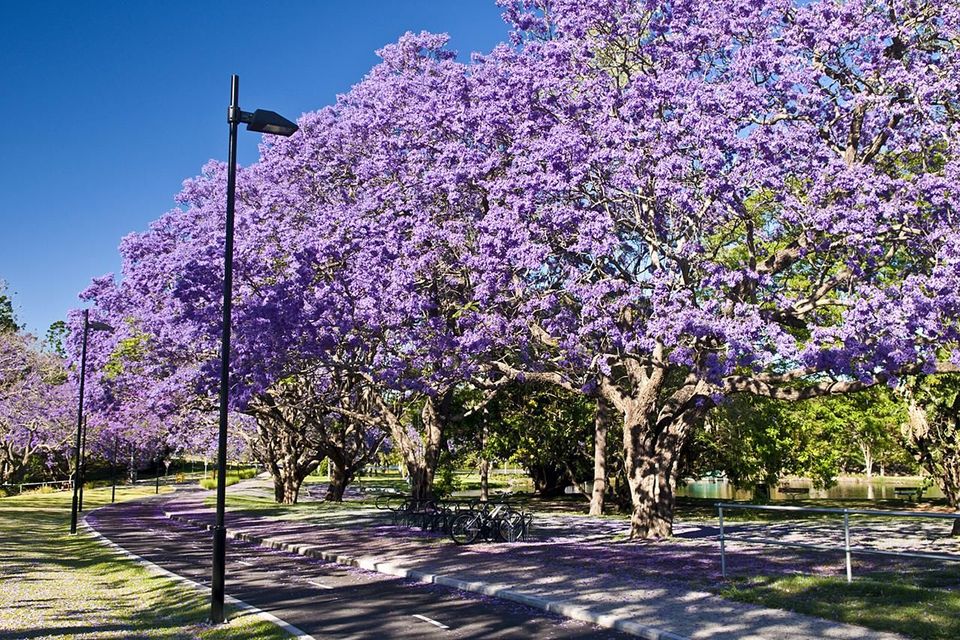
(340, 477)
(604, 416)
(868, 468)
(286, 485)
(652, 494)
(936, 446)
(484, 480)
(647, 471)
(548, 481)
(867, 460)
(422, 466)
(484, 466)
(652, 444)
(421, 482)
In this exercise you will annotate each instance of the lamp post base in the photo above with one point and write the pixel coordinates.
(73, 514)
(217, 579)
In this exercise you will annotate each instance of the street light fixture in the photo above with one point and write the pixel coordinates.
(264, 122)
(77, 476)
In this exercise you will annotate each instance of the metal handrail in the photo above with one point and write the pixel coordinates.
(20, 485)
(848, 549)
(853, 512)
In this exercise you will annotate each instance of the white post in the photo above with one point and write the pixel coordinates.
(846, 543)
(723, 553)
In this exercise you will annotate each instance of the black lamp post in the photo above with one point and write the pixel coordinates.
(263, 122)
(77, 478)
(83, 464)
(158, 472)
(113, 490)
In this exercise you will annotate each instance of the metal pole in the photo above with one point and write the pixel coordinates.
(723, 550)
(846, 543)
(116, 445)
(219, 530)
(83, 464)
(76, 464)
(157, 470)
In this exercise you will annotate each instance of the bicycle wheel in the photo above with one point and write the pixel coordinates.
(400, 513)
(509, 526)
(387, 502)
(465, 528)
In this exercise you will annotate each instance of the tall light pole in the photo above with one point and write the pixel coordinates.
(83, 464)
(116, 445)
(264, 122)
(77, 477)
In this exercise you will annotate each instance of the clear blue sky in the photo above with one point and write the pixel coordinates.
(108, 106)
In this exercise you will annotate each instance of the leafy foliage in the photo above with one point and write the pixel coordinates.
(757, 440)
(8, 321)
(547, 431)
(933, 432)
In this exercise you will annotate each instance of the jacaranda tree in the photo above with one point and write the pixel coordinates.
(660, 204)
(709, 199)
(37, 404)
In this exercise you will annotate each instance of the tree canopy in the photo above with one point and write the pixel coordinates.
(662, 204)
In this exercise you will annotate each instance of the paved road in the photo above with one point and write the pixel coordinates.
(324, 599)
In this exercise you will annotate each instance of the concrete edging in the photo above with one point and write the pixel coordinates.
(561, 607)
(296, 632)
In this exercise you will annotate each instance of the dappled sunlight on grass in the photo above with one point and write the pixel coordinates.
(58, 585)
(876, 602)
(592, 555)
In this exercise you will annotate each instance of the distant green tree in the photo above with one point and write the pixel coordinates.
(8, 320)
(56, 334)
(871, 424)
(756, 441)
(549, 432)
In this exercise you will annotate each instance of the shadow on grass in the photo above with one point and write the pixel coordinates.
(60, 584)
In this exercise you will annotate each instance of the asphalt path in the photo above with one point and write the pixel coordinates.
(324, 599)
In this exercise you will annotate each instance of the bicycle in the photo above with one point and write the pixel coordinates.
(500, 523)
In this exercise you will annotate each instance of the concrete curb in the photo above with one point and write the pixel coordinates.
(295, 632)
(369, 563)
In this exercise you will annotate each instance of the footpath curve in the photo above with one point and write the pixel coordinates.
(321, 599)
(295, 632)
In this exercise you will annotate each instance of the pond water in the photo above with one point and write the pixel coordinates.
(851, 488)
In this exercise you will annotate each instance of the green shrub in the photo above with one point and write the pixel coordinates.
(211, 483)
(444, 482)
(322, 469)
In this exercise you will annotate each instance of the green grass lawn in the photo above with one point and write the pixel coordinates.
(55, 585)
(877, 603)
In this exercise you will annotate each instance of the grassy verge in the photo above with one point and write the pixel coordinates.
(877, 603)
(63, 586)
(233, 477)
